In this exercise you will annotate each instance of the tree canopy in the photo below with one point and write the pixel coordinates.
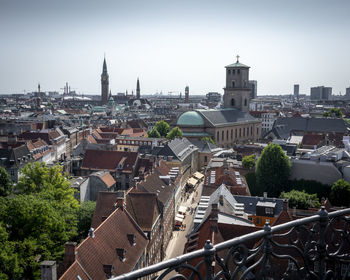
(272, 170)
(208, 139)
(153, 133)
(248, 161)
(340, 193)
(301, 199)
(334, 112)
(6, 184)
(163, 128)
(174, 133)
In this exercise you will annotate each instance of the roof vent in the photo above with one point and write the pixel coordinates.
(92, 232)
(121, 253)
(132, 238)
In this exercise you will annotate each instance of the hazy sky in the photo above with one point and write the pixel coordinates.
(171, 44)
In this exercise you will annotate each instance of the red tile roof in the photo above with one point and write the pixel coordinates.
(93, 253)
(109, 160)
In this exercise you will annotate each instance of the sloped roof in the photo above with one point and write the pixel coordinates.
(109, 160)
(144, 208)
(225, 116)
(95, 252)
(178, 148)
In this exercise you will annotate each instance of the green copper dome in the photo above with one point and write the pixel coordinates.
(190, 118)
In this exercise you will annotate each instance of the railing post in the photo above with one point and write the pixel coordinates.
(209, 252)
(321, 244)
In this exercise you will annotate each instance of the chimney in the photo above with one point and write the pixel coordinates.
(92, 232)
(214, 218)
(294, 211)
(48, 270)
(69, 254)
(265, 194)
(285, 205)
(120, 200)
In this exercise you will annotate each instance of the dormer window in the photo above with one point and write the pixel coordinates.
(121, 253)
(132, 239)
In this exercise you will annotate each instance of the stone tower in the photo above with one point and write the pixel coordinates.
(104, 84)
(237, 91)
(138, 94)
(187, 94)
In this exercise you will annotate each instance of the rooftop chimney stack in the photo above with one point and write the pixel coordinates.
(120, 200)
(48, 270)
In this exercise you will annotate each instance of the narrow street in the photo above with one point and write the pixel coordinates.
(178, 241)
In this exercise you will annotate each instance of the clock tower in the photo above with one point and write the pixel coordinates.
(104, 84)
(237, 91)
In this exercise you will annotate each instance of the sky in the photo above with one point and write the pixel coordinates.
(171, 44)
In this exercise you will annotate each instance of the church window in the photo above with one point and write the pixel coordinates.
(243, 131)
(217, 136)
(227, 135)
(231, 134)
(247, 131)
(240, 132)
(245, 102)
(239, 71)
(233, 71)
(222, 135)
(232, 102)
(236, 133)
(233, 84)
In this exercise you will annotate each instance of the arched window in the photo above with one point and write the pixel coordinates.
(251, 130)
(226, 135)
(217, 136)
(236, 133)
(240, 132)
(243, 131)
(223, 135)
(233, 84)
(232, 102)
(245, 102)
(247, 131)
(231, 134)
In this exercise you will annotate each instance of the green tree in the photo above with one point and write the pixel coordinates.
(340, 193)
(6, 185)
(163, 128)
(153, 133)
(334, 112)
(272, 170)
(85, 214)
(208, 139)
(174, 133)
(248, 161)
(301, 199)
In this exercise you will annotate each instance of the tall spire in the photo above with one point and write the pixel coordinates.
(138, 89)
(104, 69)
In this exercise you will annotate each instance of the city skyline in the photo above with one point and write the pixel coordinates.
(171, 45)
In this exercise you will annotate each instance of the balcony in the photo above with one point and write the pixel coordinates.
(315, 247)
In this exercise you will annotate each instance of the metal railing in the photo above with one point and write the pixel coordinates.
(316, 247)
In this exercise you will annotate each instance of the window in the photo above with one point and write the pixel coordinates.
(229, 71)
(222, 135)
(239, 71)
(232, 102)
(233, 84)
(243, 131)
(217, 136)
(245, 102)
(227, 135)
(251, 130)
(257, 131)
(231, 134)
(258, 221)
(236, 133)
(205, 159)
(269, 211)
(233, 71)
(240, 132)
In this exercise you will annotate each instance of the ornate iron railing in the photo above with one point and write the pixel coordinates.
(316, 247)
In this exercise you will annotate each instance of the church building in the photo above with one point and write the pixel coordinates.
(231, 125)
(104, 84)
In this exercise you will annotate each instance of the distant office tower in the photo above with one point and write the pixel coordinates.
(187, 94)
(104, 84)
(253, 85)
(347, 93)
(321, 93)
(296, 92)
(138, 94)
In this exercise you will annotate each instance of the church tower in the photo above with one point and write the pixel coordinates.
(104, 84)
(187, 94)
(138, 94)
(237, 91)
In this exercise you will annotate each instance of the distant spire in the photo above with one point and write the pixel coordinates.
(138, 89)
(237, 59)
(38, 87)
(104, 70)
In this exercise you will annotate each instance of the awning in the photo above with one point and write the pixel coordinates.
(180, 216)
(182, 209)
(192, 181)
(198, 175)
